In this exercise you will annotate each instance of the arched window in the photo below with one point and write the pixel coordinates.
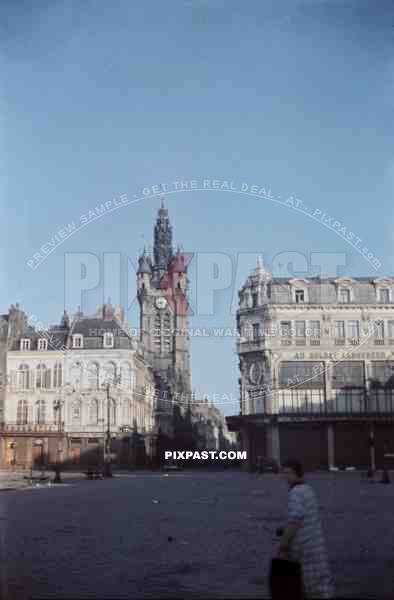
(93, 375)
(94, 412)
(42, 377)
(23, 376)
(76, 374)
(57, 375)
(127, 411)
(22, 414)
(167, 332)
(41, 412)
(157, 332)
(76, 411)
(126, 376)
(109, 373)
(113, 412)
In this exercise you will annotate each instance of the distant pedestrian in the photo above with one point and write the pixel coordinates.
(302, 539)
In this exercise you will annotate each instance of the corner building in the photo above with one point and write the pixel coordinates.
(316, 359)
(55, 404)
(57, 408)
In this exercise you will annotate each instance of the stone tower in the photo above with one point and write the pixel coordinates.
(163, 285)
(253, 322)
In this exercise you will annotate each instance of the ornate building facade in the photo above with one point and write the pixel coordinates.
(72, 387)
(316, 362)
(86, 387)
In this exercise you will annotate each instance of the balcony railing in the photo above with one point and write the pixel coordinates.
(379, 342)
(314, 341)
(251, 343)
(300, 341)
(391, 341)
(32, 427)
(340, 341)
(285, 342)
(355, 341)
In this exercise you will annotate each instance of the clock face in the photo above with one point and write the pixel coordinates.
(161, 302)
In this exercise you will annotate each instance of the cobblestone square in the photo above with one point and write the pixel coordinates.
(186, 534)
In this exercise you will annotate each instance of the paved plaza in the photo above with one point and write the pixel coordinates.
(185, 534)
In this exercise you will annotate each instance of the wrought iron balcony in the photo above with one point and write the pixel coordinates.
(244, 345)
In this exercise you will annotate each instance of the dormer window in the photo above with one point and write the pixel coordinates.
(77, 341)
(25, 344)
(344, 295)
(42, 345)
(384, 295)
(108, 340)
(299, 296)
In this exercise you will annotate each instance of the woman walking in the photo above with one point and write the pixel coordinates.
(302, 540)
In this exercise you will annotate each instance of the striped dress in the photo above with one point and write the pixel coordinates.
(308, 545)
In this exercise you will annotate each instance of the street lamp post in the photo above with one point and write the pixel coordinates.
(107, 443)
(58, 404)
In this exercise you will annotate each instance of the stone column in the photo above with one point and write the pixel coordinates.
(372, 447)
(331, 445)
(328, 392)
(246, 447)
(367, 394)
(3, 451)
(273, 442)
(29, 453)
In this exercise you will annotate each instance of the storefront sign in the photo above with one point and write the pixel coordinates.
(341, 355)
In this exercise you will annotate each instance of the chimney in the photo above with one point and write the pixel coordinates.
(119, 313)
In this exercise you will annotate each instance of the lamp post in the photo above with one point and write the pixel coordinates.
(107, 442)
(372, 468)
(57, 405)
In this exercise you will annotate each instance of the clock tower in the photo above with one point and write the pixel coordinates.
(161, 281)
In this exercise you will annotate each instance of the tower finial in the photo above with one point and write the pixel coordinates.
(162, 249)
(162, 205)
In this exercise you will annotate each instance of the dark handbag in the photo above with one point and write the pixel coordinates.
(285, 580)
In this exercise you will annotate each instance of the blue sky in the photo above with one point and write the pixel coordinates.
(104, 99)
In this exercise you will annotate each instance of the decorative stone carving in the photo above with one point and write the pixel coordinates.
(255, 373)
(267, 359)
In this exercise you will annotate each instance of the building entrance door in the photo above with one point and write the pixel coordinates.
(10, 454)
(38, 455)
(75, 453)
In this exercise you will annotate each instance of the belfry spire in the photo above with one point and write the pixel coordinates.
(162, 249)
